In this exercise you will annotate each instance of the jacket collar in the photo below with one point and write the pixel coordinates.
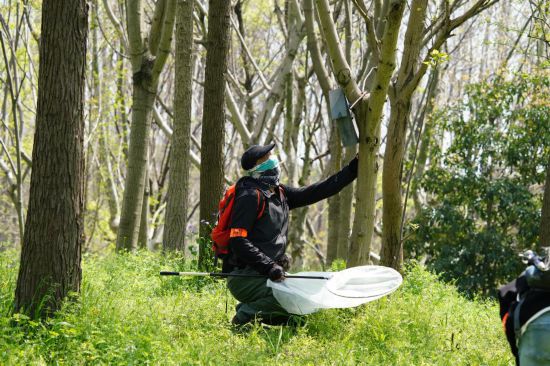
(249, 182)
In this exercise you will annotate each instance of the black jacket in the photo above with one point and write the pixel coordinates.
(266, 237)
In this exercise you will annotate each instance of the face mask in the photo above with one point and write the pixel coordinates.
(270, 163)
(267, 172)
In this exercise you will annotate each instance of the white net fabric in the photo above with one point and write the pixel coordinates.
(349, 288)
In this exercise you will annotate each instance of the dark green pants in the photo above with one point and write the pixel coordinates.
(256, 299)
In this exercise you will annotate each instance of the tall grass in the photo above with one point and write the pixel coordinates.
(126, 314)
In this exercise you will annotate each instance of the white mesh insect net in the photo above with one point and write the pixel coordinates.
(348, 288)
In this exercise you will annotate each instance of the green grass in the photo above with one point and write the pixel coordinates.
(127, 314)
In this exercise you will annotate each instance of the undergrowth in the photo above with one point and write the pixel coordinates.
(126, 314)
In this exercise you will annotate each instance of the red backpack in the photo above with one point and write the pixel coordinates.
(221, 232)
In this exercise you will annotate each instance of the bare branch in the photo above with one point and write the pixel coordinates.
(249, 54)
(237, 118)
(341, 68)
(116, 23)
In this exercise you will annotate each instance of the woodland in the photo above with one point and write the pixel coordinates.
(124, 121)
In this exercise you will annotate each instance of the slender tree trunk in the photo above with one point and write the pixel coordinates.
(50, 257)
(289, 129)
(121, 117)
(334, 216)
(143, 100)
(178, 175)
(344, 218)
(148, 57)
(424, 140)
(365, 194)
(296, 34)
(249, 74)
(108, 176)
(213, 126)
(400, 101)
(368, 119)
(299, 215)
(334, 202)
(143, 235)
(12, 87)
(392, 250)
(93, 181)
(340, 208)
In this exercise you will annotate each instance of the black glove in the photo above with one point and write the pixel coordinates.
(353, 165)
(285, 261)
(276, 273)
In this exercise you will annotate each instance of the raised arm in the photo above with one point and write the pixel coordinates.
(303, 196)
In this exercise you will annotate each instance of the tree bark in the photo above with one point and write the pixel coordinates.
(147, 63)
(342, 222)
(410, 73)
(178, 175)
(140, 128)
(335, 146)
(400, 101)
(344, 217)
(51, 254)
(299, 215)
(369, 117)
(424, 140)
(392, 250)
(334, 202)
(213, 126)
(143, 235)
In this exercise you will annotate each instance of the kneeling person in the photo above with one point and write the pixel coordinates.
(259, 228)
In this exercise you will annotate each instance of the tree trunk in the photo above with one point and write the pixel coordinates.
(213, 126)
(340, 207)
(50, 257)
(400, 101)
(296, 34)
(369, 116)
(299, 215)
(248, 72)
(392, 250)
(344, 219)
(424, 140)
(334, 204)
(143, 235)
(148, 59)
(143, 99)
(178, 179)
(334, 214)
(365, 194)
(13, 87)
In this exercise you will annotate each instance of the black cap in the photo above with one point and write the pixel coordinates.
(250, 156)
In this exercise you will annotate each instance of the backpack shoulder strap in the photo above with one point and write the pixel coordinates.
(261, 199)
(282, 193)
(260, 195)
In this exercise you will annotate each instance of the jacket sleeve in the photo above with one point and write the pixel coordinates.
(303, 196)
(243, 217)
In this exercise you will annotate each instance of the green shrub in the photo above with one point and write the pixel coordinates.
(482, 209)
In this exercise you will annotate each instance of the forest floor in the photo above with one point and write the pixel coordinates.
(126, 314)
